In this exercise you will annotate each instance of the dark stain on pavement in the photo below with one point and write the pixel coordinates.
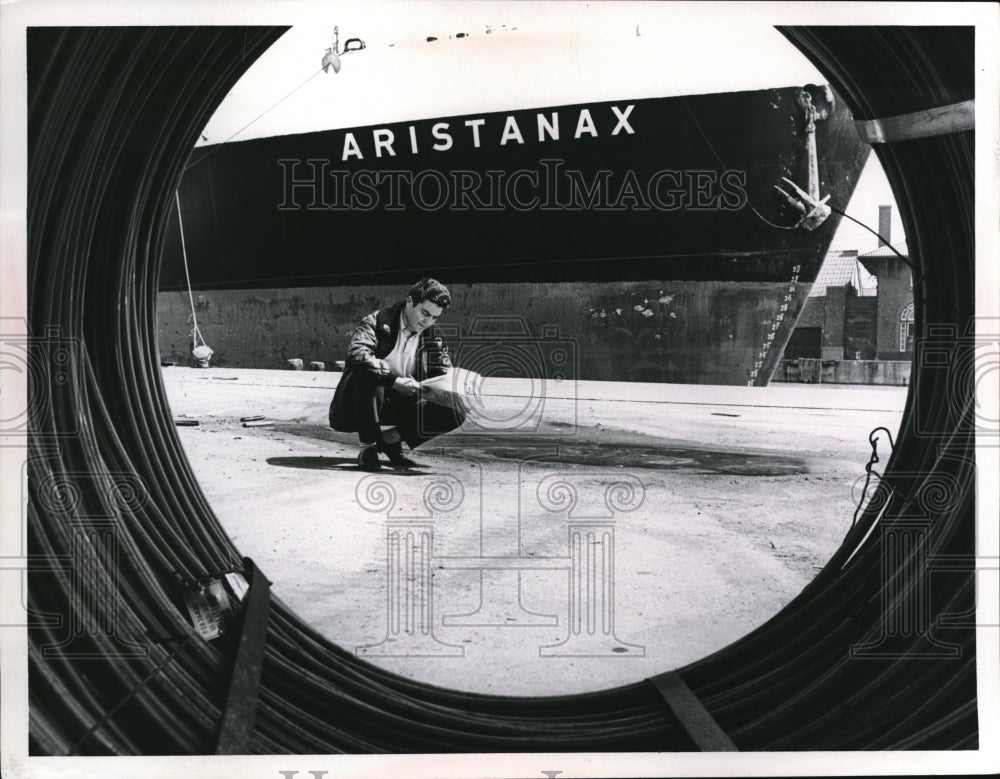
(605, 449)
(666, 457)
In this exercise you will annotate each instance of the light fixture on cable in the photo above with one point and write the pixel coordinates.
(331, 58)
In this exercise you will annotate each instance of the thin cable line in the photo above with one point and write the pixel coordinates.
(903, 257)
(723, 165)
(132, 693)
(874, 458)
(783, 227)
(252, 121)
(195, 332)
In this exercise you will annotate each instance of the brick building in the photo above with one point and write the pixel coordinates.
(839, 319)
(894, 340)
(860, 310)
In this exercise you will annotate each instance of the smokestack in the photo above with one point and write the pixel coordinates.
(885, 225)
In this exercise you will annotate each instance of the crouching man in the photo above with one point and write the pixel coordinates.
(391, 352)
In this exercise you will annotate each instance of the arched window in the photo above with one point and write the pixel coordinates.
(906, 329)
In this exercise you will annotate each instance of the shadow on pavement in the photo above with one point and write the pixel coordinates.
(338, 464)
(314, 463)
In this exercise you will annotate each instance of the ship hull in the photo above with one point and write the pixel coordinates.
(645, 233)
(718, 337)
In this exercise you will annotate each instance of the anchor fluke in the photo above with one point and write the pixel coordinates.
(814, 212)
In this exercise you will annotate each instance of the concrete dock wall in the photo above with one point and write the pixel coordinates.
(708, 332)
(894, 372)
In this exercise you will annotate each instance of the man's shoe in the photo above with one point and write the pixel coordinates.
(368, 459)
(395, 454)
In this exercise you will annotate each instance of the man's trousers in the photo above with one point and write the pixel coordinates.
(366, 406)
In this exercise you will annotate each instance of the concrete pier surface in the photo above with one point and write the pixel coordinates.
(571, 537)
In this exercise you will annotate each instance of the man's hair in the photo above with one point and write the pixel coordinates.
(432, 290)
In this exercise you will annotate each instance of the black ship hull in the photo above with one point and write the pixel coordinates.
(647, 232)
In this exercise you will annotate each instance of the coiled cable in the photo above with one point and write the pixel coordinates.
(113, 116)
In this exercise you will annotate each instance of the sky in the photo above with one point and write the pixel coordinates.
(510, 55)
(497, 56)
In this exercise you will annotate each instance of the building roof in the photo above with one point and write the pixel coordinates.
(840, 268)
(885, 251)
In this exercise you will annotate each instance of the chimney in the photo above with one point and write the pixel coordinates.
(885, 225)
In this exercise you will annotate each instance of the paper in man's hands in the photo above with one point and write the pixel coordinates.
(458, 387)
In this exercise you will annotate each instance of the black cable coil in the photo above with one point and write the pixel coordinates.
(115, 516)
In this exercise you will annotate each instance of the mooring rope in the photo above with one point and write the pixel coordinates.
(203, 352)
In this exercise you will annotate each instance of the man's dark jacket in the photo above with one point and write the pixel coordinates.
(373, 339)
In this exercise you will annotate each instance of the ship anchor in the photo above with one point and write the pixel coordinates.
(331, 58)
(813, 208)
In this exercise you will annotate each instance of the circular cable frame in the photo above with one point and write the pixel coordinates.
(113, 117)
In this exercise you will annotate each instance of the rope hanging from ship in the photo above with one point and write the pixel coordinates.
(200, 350)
